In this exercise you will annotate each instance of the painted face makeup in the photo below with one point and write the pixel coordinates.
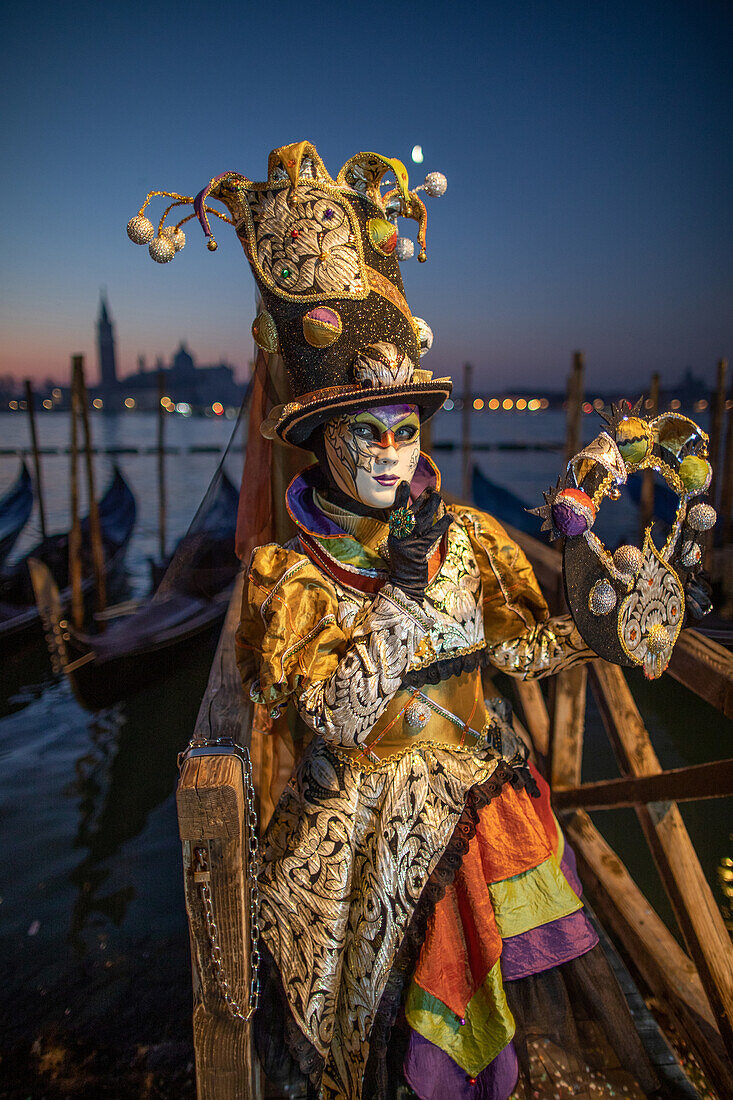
(370, 452)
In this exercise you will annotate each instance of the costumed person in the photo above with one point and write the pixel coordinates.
(421, 919)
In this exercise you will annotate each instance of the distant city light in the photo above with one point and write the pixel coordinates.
(231, 412)
(674, 403)
(521, 404)
(544, 403)
(507, 404)
(217, 408)
(599, 403)
(478, 404)
(183, 408)
(47, 403)
(533, 405)
(449, 406)
(701, 405)
(494, 404)
(56, 394)
(13, 405)
(129, 402)
(587, 407)
(417, 154)
(98, 403)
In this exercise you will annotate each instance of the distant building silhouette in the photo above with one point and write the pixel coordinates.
(106, 347)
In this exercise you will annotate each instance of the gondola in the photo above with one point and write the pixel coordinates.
(15, 509)
(184, 614)
(20, 622)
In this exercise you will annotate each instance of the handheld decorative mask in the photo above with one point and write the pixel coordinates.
(629, 606)
(370, 452)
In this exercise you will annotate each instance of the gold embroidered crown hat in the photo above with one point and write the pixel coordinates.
(325, 256)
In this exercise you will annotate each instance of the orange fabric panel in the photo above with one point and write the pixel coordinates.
(514, 834)
(511, 836)
(462, 941)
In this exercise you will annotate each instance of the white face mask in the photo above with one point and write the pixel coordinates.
(370, 452)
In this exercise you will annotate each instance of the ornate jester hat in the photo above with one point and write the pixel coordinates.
(324, 254)
(629, 606)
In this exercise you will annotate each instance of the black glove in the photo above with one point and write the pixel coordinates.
(413, 534)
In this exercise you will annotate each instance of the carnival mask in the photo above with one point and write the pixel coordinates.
(370, 452)
(629, 605)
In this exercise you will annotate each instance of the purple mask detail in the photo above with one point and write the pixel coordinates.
(391, 414)
(568, 522)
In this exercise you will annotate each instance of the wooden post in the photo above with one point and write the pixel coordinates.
(726, 487)
(717, 416)
(466, 487)
(161, 467)
(574, 406)
(692, 900)
(36, 455)
(568, 727)
(95, 529)
(212, 814)
(75, 577)
(646, 504)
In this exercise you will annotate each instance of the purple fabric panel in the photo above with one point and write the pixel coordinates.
(423, 477)
(433, 1074)
(569, 868)
(547, 946)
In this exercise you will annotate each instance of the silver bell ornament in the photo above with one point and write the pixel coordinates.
(602, 598)
(424, 335)
(628, 559)
(701, 517)
(404, 249)
(161, 250)
(417, 716)
(175, 235)
(140, 229)
(435, 184)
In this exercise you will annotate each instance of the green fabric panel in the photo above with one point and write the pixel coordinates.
(532, 898)
(488, 1028)
(351, 552)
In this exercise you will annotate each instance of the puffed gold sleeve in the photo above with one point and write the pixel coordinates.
(521, 637)
(291, 648)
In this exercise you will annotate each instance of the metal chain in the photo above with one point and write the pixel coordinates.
(202, 878)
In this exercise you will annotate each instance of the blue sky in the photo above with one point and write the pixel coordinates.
(587, 148)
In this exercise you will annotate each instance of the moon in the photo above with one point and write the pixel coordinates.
(417, 154)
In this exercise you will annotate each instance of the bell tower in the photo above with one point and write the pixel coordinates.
(106, 346)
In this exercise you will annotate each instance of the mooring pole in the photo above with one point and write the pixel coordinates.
(466, 442)
(95, 528)
(717, 418)
(574, 406)
(161, 467)
(75, 573)
(646, 504)
(30, 405)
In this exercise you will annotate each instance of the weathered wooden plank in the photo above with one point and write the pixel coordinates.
(662, 964)
(704, 667)
(568, 726)
(684, 881)
(679, 785)
(534, 713)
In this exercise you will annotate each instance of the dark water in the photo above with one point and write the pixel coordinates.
(94, 962)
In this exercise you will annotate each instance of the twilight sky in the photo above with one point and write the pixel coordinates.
(587, 147)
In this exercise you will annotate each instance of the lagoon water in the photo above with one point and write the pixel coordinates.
(94, 957)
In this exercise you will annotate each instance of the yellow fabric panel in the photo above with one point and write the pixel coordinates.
(287, 636)
(532, 898)
(488, 1028)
